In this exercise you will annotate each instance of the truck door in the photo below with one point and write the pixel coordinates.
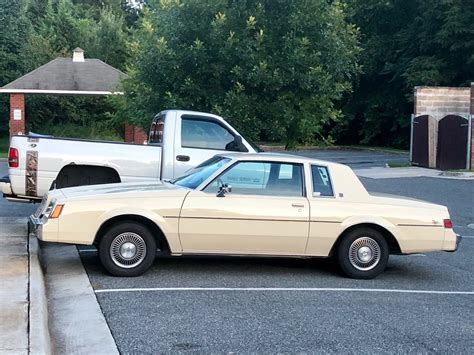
(199, 138)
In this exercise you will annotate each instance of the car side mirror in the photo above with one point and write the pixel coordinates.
(224, 190)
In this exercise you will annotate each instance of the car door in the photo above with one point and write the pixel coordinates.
(198, 139)
(266, 212)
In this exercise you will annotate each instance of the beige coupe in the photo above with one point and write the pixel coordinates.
(246, 204)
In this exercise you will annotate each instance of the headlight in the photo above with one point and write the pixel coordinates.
(49, 209)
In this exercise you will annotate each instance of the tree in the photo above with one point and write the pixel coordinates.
(273, 68)
(406, 43)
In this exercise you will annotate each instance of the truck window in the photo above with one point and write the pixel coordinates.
(156, 131)
(205, 134)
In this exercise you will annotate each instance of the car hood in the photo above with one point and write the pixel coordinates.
(387, 199)
(123, 190)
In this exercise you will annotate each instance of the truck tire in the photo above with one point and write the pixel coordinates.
(363, 253)
(127, 249)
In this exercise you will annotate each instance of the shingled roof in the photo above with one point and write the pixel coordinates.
(69, 76)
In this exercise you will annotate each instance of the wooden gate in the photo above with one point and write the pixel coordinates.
(452, 143)
(420, 144)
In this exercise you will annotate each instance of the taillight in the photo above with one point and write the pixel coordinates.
(448, 224)
(13, 158)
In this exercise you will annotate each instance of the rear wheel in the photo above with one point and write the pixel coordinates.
(363, 253)
(127, 249)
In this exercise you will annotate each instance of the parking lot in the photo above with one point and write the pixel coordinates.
(421, 303)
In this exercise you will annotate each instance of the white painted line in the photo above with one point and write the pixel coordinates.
(468, 236)
(471, 225)
(87, 250)
(313, 289)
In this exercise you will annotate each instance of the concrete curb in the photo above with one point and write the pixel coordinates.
(3, 160)
(38, 332)
(76, 322)
(410, 172)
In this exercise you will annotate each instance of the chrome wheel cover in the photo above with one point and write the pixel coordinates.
(364, 253)
(128, 250)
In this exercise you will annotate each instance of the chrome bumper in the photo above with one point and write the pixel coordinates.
(35, 226)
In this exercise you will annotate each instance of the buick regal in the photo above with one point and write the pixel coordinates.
(246, 204)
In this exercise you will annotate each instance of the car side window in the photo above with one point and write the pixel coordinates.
(260, 178)
(321, 182)
(199, 133)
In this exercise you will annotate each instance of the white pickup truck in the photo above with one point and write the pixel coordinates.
(178, 140)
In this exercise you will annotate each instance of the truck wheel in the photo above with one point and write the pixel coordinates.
(127, 249)
(363, 253)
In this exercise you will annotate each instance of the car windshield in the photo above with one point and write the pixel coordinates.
(194, 177)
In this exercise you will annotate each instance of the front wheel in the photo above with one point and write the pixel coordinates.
(363, 253)
(127, 249)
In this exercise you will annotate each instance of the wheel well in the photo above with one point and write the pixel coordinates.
(160, 237)
(80, 175)
(393, 245)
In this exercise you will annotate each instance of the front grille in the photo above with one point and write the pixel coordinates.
(40, 209)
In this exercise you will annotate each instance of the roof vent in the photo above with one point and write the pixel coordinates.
(78, 55)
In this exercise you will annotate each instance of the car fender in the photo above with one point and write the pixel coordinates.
(169, 226)
(367, 219)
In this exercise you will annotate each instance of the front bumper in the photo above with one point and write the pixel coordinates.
(35, 227)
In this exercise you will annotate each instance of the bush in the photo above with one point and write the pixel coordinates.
(99, 131)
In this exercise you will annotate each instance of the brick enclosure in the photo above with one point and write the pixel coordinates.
(135, 134)
(439, 102)
(17, 102)
(472, 126)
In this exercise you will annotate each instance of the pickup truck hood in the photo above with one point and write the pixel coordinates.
(386, 199)
(123, 190)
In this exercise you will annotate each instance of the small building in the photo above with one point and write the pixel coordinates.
(66, 76)
(442, 130)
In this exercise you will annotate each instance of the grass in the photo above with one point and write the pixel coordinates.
(4, 143)
(280, 145)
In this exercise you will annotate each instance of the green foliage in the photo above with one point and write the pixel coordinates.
(406, 44)
(93, 130)
(4, 144)
(272, 68)
(73, 117)
(37, 31)
(14, 32)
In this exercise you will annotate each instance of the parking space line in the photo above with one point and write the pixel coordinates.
(267, 289)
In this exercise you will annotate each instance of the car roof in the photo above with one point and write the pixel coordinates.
(278, 157)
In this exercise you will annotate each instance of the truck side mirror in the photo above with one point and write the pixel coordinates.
(236, 145)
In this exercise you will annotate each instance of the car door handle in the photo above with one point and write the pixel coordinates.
(183, 158)
(297, 205)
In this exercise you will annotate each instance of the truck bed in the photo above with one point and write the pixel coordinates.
(46, 156)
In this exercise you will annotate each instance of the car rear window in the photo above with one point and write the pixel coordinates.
(321, 181)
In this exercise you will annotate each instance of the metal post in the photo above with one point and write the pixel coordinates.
(411, 137)
(469, 143)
